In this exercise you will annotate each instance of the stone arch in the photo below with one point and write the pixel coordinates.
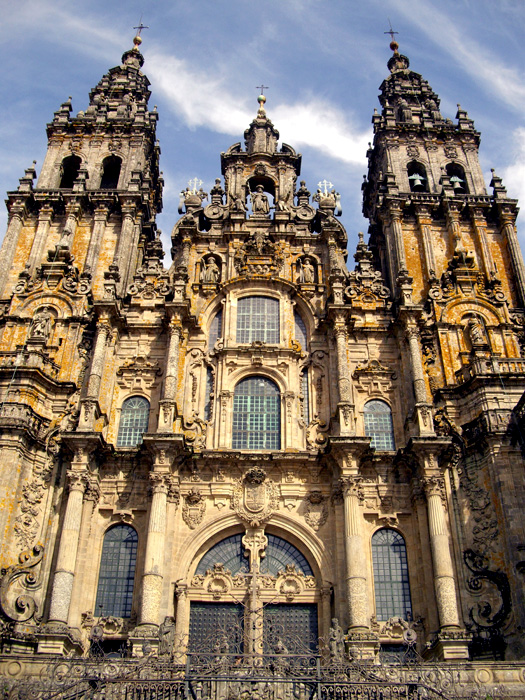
(417, 176)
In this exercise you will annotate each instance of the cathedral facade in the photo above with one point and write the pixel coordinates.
(255, 438)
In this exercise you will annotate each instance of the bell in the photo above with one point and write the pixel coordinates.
(457, 182)
(417, 181)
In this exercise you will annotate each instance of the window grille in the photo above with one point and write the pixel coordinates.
(378, 425)
(392, 588)
(258, 319)
(117, 572)
(256, 415)
(295, 621)
(134, 419)
(215, 329)
(300, 330)
(215, 621)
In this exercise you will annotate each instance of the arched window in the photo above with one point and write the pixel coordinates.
(228, 552)
(70, 167)
(392, 588)
(457, 178)
(258, 319)
(256, 415)
(300, 330)
(110, 173)
(215, 329)
(378, 425)
(417, 177)
(117, 572)
(134, 419)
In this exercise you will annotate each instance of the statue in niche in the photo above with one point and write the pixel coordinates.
(210, 272)
(41, 324)
(476, 331)
(260, 203)
(306, 271)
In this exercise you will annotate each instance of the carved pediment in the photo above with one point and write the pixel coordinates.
(259, 255)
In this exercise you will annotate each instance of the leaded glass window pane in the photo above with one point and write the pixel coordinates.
(305, 396)
(209, 394)
(117, 572)
(134, 419)
(378, 425)
(279, 554)
(294, 625)
(392, 588)
(256, 415)
(215, 329)
(210, 623)
(258, 319)
(228, 552)
(300, 330)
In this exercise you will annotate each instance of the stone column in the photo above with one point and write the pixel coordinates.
(356, 581)
(326, 610)
(122, 257)
(397, 236)
(344, 381)
(89, 404)
(39, 242)
(99, 223)
(508, 231)
(167, 412)
(480, 227)
(67, 553)
(425, 222)
(9, 245)
(154, 558)
(416, 365)
(181, 614)
(444, 583)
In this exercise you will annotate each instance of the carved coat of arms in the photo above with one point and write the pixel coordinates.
(254, 497)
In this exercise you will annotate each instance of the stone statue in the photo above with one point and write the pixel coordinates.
(306, 271)
(336, 640)
(210, 272)
(166, 636)
(260, 203)
(476, 331)
(41, 325)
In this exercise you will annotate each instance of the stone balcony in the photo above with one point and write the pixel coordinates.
(491, 367)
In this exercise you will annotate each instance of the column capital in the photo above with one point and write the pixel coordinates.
(352, 486)
(433, 486)
(77, 480)
(159, 482)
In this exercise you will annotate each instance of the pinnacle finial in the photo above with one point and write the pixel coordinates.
(261, 99)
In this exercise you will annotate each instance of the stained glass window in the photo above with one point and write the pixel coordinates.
(300, 330)
(117, 572)
(258, 319)
(134, 419)
(256, 415)
(392, 588)
(228, 552)
(378, 425)
(215, 329)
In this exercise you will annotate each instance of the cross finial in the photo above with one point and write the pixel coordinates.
(391, 30)
(262, 88)
(140, 27)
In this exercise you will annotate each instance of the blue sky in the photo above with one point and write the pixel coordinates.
(323, 63)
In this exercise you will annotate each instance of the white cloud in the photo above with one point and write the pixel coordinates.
(514, 174)
(203, 100)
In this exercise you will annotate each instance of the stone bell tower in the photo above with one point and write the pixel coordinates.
(450, 253)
